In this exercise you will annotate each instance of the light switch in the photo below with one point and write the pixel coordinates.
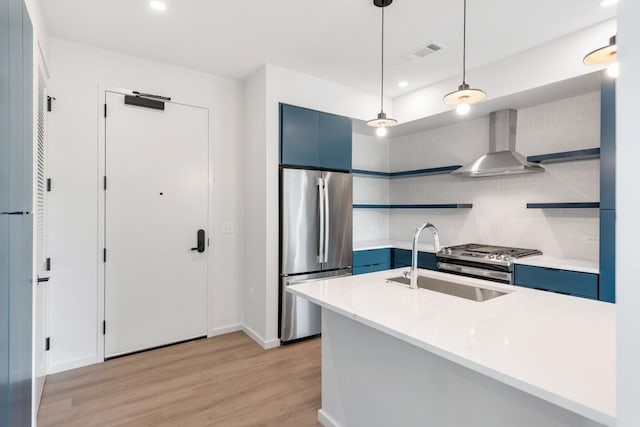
(227, 227)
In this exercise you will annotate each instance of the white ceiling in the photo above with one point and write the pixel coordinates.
(336, 40)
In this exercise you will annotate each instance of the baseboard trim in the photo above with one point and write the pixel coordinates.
(66, 366)
(326, 420)
(224, 330)
(258, 339)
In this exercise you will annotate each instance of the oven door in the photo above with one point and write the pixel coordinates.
(478, 270)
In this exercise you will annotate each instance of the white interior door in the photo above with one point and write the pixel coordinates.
(155, 203)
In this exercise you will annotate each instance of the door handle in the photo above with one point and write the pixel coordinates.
(15, 213)
(321, 210)
(326, 221)
(200, 247)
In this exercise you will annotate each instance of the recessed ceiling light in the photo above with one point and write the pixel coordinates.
(606, 3)
(403, 83)
(158, 5)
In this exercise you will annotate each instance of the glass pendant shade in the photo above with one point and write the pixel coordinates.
(464, 95)
(604, 55)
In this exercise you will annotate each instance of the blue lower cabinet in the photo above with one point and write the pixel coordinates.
(371, 268)
(371, 260)
(371, 257)
(402, 258)
(607, 291)
(561, 281)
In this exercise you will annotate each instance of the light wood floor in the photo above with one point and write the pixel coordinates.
(223, 381)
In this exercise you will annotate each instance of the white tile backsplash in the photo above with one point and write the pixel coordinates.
(499, 214)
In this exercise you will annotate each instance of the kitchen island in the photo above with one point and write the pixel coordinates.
(392, 356)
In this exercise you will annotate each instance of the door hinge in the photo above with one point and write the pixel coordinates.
(104, 183)
(105, 111)
(48, 184)
(49, 103)
(104, 255)
(104, 327)
(47, 344)
(48, 264)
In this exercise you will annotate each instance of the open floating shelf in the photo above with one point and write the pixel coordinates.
(579, 205)
(566, 156)
(406, 174)
(428, 206)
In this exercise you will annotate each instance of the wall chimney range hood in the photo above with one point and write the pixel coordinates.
(502, 159)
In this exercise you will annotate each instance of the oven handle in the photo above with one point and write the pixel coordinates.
(475, 271)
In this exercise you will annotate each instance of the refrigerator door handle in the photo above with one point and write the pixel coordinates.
(326, 219)
(321, 210)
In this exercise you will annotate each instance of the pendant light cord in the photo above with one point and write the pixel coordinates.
(464, 45)
(382, 66)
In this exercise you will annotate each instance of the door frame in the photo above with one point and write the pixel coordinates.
(102, 91)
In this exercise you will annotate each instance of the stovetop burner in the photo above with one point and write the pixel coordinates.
(476, 250)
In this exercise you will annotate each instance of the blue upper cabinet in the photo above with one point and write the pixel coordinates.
(335, 139)
(310, 138)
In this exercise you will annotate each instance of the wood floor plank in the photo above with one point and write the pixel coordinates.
(226, 381)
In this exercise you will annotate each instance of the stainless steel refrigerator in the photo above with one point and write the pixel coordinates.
(316, 241)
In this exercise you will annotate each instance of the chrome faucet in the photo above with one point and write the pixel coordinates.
(413, 280)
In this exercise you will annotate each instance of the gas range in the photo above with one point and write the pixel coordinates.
(483, 261)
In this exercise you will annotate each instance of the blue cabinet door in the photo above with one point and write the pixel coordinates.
(371, 260)
(335, 139)
(607, 290)
(562, 281)
(371, 257)
(309, 138)
(299, 132)
(370, 268)
(402, 258)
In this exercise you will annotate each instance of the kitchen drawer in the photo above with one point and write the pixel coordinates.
(562, 281)
(371, 268)
(402, 258)
(371, 257)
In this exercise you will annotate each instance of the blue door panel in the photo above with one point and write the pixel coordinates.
(371, 268)
(563, 281)
(4, 206)
(371, 257)
(402, 258)
(16, 115)
(607, 291)
(335, 135)
(299, 136)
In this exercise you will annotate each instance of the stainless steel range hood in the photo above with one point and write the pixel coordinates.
(502, 158)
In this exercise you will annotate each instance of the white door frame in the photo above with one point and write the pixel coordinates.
(102, 90)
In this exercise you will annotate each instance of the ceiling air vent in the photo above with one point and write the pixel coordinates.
(424, 51)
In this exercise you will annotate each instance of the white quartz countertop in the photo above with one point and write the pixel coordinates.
(397, 244)
(580, 265)
(556, 347)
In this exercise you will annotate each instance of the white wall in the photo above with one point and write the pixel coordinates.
(370, 153)
(627, 208)
(77, 72)
(551, 62)
(255, 224)
(40, 27)
(499, 214)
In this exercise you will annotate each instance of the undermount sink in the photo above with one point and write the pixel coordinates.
(472, 293)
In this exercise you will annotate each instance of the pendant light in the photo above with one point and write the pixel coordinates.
(606, 55)
(465, 95)
(382, 122)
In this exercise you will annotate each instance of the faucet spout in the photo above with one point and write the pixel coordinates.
(413, 281)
